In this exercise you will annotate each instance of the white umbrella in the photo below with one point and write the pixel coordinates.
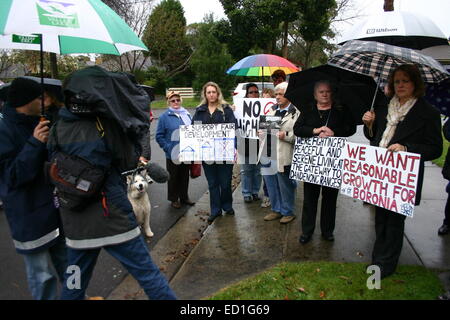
(66, 26)
(403, 29)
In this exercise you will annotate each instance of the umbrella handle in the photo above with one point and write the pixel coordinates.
(375, 94)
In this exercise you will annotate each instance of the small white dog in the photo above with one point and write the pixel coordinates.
(137, 194)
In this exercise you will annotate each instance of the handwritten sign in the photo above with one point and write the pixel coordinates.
(380, 177)
(318, 161)
(247, 113)
(207, 142)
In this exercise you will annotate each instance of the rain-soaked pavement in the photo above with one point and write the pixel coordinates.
(236, 247)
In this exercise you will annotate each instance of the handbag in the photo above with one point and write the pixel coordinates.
(195, 170)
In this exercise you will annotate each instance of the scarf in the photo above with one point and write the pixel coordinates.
(396, 113)
(183, 114)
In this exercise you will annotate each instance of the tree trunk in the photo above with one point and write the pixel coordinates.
(388, 5)
(284, 51)
(53, 65)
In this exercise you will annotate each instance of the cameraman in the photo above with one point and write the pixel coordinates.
(107, 220)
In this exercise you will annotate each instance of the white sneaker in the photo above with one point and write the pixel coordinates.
(265, 203)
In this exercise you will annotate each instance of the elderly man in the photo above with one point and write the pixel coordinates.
(27, 199)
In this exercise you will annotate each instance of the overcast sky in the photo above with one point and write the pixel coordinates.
(437, 10)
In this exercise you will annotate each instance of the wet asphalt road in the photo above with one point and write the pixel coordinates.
(108, 272)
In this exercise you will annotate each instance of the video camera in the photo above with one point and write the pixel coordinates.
(79, 106)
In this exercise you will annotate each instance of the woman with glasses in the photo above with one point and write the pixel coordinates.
(170, 122)
(250, 169)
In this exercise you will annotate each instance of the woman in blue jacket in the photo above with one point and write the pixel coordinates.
(213, 109)
(168, 138)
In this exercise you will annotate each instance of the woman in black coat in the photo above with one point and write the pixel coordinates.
(409, 124)
(214, 109)
(325, 118)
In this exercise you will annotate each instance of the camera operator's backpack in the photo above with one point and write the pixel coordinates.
(78, 182)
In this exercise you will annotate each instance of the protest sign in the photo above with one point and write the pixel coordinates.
(207, 142)
(247, 113)
(318, 161)
(380, 177)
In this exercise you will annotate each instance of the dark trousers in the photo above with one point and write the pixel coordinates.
(327, 212)
(389, 230)
(447, 207)
(177, 186)
(219, 178)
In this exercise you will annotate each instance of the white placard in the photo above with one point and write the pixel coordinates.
(207, 142)
(247, 112)
(318, 161)
(380, 177)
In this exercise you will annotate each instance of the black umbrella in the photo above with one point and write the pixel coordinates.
(354, 90)
(50, 85)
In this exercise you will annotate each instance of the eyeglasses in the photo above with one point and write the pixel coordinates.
(253, 92)
(175, 100)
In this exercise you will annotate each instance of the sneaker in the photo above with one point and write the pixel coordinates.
(230, 212)
(247, 199)
(212, 218)
(256, 197)
(265, 203)
(273, 216)
(287, 219)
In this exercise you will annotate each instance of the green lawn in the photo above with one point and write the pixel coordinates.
(333, 281)
(440, 161)
(187, 103)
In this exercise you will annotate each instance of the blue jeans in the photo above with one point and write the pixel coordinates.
(133, 255)
(287, 192)
(251, 179)
(42, 278)
(273, 190)
(219, 184)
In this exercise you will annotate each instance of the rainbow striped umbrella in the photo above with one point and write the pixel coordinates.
(261, 65)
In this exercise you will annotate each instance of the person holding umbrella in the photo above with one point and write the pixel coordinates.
(324, 118)
(250, 169)
(407, 123)
(29, 202)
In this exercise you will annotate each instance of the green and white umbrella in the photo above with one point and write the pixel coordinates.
(66, 26)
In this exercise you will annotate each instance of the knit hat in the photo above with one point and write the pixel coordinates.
(22, 91)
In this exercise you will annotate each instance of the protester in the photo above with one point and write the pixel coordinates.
(282, 189)
(28, 199)
(170, 122)
(278, 76)
(214, 109)
(268, 93)
(106, 219)
(407, 123)
(445, 228)
(250, 168)
(324, 118)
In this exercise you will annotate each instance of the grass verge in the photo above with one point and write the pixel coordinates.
(440, 161)
(187, 103)
(333, 281)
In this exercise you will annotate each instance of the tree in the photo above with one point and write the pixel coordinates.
(307, 34)
(165, 36)
(210, 59)
(137, 17)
